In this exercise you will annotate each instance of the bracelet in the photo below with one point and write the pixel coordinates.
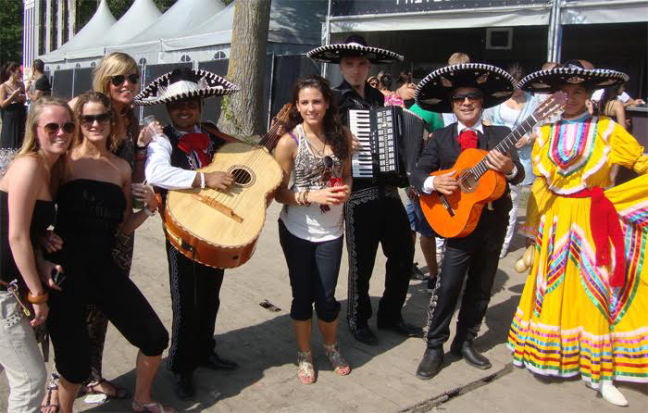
(37, 299)
(202, 180)
(306, 197)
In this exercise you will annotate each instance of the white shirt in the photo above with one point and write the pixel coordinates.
(598, 94)
(158, 168)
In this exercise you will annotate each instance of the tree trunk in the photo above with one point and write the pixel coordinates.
(71, 9)
(241, 113)
(59, 24)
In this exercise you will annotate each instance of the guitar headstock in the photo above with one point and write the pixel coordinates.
(284, 113)
(554, 104)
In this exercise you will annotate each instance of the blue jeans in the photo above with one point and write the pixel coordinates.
(313, 268)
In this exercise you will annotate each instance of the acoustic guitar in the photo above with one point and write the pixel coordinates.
(457, 215)
(220, 228)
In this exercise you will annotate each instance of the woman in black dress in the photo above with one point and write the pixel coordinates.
(12, 106)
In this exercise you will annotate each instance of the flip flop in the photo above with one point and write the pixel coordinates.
(51, 402)
(153, 407)
(118, 393)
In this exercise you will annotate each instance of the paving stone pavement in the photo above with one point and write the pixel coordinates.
(383, 378)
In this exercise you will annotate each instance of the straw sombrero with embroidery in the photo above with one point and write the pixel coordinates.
(353, 46)
(434, 92)
(184, 84)
(551, 80)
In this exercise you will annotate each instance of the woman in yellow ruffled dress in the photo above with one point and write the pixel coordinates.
(584, 309)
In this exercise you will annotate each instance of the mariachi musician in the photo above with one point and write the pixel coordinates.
(374, 213)
(464, 89)
(171, 161)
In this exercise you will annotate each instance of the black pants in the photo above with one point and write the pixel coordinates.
(373, 216)
(475, 256)
(195, 290)
(313, 268)
(93, 278)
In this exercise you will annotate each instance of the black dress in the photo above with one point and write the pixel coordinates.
(89, 213)
(42, 218)
(13, 125)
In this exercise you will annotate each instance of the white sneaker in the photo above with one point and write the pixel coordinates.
(610, 393)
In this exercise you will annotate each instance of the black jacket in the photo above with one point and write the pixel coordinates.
(442, 151)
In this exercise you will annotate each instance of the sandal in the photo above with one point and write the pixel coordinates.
(339, 364)
(51, 401)
(305, 371)
(153, 407)
(117, 392)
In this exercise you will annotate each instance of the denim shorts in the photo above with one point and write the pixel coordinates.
(417, 220)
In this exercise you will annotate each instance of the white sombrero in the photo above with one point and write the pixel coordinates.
(552, 80)
(184, 84)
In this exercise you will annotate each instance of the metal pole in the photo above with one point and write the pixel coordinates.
(270, 94)
(554, 35)
(326, 36)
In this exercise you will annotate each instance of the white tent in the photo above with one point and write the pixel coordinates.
(294, 27)
(87, 37)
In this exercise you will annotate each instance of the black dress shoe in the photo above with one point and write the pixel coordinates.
(215, 362)
(431, 364)
(402, 328)
(472, 356)
(365, 335)
(183, 386)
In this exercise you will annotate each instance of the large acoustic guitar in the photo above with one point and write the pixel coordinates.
(457, 215)
(220, 228)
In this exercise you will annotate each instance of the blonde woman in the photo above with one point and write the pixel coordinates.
(26, 210)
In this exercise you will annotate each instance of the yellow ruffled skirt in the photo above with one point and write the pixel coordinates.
(569, 320)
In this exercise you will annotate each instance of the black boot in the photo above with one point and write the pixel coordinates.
(401, 327)
(472, 356)
(430, 365)
(215, 362)
(183, 386)
(364, 335)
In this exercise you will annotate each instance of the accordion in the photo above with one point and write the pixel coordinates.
(391, 140)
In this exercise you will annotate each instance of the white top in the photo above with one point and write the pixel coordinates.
(598, 94)
(158, 168)
(311, 222)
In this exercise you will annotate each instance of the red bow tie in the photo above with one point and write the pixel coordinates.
(467, 139)
(197, 143)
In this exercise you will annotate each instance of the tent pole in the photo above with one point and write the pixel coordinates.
(554, 34)
(270, 94)
(326, 35)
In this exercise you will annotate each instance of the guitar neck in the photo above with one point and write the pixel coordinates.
(507, 143)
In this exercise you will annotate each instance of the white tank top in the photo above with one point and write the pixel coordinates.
(311, 222)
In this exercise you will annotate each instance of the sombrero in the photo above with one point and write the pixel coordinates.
(434, 91)
(551, 80)
(184, 84)
(353, 46)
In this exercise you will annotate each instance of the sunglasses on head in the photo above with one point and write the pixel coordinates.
(68, 127)
(120, 79)
(471, 96)
(90, 119)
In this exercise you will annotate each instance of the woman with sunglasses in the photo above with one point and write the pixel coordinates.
(94, 203)
(117, 77)
(12, 106)
(315, 157)
(26, 210)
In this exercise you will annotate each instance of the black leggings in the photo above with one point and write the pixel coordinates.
(313, 268)
(93, 278)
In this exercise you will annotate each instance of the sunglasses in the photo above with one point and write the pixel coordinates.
(68, 127)
(90, 119)
(120, 79)
(472, 97)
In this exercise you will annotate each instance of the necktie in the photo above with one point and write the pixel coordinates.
(467, 139)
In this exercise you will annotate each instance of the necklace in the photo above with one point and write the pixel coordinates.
(320, 152)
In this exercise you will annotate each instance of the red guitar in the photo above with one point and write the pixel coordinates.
(457, 215)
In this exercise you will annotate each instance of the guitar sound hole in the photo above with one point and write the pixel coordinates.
(467, 182)
(242, 176)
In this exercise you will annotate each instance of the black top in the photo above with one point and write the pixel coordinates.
(42, 218)
(89, 211)
(43, 84)
(442, 151)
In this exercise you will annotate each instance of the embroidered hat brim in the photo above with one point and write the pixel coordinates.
(551, 80)
(434, 92)
(162, 90)
(333, 53)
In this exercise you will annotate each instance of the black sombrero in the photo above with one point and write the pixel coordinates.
(434, 91)
(353, 46)
(184, 84)
(551, 80)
